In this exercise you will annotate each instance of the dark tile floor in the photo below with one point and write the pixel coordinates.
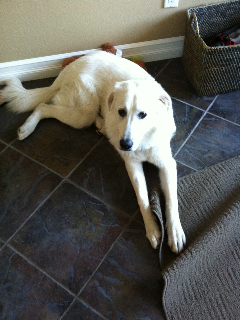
(72, 241)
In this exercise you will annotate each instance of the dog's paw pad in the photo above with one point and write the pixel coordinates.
(155, 241)
(176, 239)
(22, 133)
(100, 131)
(154, 236)
(99, 122)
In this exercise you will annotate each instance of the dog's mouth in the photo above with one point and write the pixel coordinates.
(125, 150)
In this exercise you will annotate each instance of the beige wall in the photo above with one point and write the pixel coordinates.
(35, 28)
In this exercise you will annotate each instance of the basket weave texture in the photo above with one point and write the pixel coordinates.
(212, 70)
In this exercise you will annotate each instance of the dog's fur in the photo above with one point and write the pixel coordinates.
(129, 107)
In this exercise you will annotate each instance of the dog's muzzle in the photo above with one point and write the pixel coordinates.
(126, 144)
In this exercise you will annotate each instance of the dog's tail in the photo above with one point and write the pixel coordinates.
(20, 99)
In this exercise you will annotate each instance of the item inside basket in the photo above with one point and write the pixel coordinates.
(227, 38)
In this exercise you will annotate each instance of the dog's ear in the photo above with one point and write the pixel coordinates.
(117, 87)
(166, 101)
(110, 100)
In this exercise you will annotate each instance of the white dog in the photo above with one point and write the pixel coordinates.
(129, 107)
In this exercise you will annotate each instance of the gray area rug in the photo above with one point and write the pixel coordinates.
(203, 282)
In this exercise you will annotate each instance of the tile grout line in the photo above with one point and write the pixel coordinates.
(101, 200)
(48, 168)
(98, 266)
(3, 246)
(6, 147)
(40, 269)
(36, 161)
(4, 142)
(186, 165)
(91, 308)
(195, 127)
(103, 259)
(160, 71)
(229, 121)
(100, 263)
(109, 250)
(191, 105)
(34, 211)
(85, 304)
(54, 281)
(84, 158)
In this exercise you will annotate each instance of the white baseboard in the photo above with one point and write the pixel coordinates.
(50, 66)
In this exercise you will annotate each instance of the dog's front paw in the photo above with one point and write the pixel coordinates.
(24, 131)
(176, 237)
(99, 122)
(153, 234)
(28, 127)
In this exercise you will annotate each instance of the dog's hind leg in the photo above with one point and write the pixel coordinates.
(71, 116)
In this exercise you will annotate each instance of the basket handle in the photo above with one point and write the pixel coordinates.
(193, 17)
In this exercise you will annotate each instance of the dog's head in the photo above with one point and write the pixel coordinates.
(136, 111)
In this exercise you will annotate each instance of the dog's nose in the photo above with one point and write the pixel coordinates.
(126, 144)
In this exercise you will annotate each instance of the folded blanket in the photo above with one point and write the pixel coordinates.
(203, 282)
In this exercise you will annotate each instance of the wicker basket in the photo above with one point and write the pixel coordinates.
(212, 70)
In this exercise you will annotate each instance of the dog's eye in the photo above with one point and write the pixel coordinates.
(122, 112)
(142, 115)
